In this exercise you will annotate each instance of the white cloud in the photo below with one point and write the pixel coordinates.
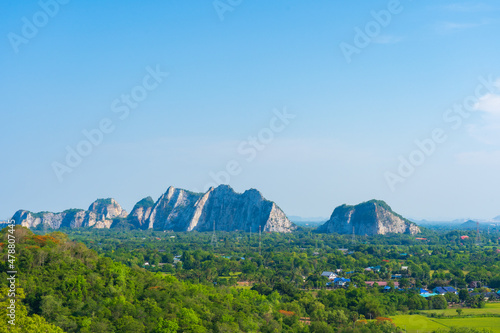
(450, 27)
(487, 128)
(490, 104)
(488, 134)
(476, 16)
(468, 7)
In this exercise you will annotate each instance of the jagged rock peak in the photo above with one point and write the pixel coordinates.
(144, 203)
(181, 210)
(254, 193)
(141, 212)
(373, 217)
(108, 208)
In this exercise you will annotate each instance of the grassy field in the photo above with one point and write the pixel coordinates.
(490, 308)
(414, 323)
(493, 323)
(422, 324)
(419, 323)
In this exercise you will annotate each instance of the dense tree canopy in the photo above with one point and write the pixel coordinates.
(164, 282)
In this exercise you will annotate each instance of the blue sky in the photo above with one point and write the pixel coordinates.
(352, 118)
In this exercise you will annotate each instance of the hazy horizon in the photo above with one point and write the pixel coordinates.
(290, 216)
(313, 104)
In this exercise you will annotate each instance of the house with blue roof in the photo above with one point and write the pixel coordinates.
(373, 268)
(439, 291)
(340, 282)
(444, 290)
(450, 290)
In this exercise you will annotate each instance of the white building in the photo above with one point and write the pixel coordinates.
(330, 275)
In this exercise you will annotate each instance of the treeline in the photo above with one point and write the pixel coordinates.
(67, 286)
(291, 257)
(64, 284)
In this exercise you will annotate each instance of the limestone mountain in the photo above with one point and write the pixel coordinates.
(176, 209)
(99, 215)
(182, 210)
(373, 217)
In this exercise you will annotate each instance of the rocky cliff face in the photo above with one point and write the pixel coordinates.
(174, 210)
(141, 212)
(180, 210)
(368, 218)
(99, 215)
(177, 210)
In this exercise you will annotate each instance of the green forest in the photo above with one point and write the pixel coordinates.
(149, 281)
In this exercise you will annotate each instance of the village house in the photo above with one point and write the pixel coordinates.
(444, 290)
(373, 268)
(330, 275)
(341, 282)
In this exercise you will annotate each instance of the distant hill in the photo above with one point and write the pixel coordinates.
(436, 223)
(307, 219)
(309, 222)
(472, 225)
(468, 225)
(373, 217)
(460, 224)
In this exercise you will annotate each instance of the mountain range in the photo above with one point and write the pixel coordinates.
(177, 210)
(220, 208)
